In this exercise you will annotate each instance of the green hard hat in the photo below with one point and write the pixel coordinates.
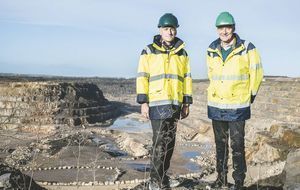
(224, 18)
(168, 19)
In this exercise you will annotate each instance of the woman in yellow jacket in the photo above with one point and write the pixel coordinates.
(235, 74)
(164, 90)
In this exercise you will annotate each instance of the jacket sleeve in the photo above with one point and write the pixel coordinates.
(255, 70)
(187, 83)
(208, 62)
(142, 79)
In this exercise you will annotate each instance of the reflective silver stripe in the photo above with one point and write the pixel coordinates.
(187, 75)
(228, 106)
(148, 50)
(256, 66)
(143, 74)
(164, 102)
(246, 44)
(168, 76)
(231, 77)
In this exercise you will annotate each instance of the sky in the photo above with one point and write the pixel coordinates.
(104, 38)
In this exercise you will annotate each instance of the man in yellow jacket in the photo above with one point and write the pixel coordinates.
(235, 74)
(164, 90)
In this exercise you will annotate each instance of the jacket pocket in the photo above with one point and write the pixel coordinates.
(156, 87)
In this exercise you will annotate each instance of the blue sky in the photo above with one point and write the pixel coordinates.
(105, 37)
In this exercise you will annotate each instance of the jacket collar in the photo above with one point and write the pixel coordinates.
(216, 45)
(178, 44)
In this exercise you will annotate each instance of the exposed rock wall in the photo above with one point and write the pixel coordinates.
(52, 104)
(292, 177)
(277, 101)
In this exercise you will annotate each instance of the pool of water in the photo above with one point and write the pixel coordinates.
(141, 167)
(191, 154)
(192, 167)
(189, 165)
(131, 126)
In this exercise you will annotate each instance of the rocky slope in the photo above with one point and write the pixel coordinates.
(45, 106)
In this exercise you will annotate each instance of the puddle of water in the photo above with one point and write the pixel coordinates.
(193, 167)
(99, 141)
(141, 167)
(114, 151)
(131, 126)
(191, 154)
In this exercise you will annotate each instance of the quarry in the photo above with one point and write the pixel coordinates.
(87, 133)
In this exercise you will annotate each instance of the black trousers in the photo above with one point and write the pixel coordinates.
(164, 133)
(236, 130)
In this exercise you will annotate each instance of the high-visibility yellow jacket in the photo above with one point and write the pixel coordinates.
(164, 78)
(234, 82)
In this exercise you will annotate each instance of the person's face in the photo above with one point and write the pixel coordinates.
(167, 33)
(225, 33)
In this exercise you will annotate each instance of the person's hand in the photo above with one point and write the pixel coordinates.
(185, 111)
(145, 110)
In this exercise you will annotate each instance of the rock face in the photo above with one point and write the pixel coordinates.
(277, 100)
(46, 105)
(292, 172)
(273, 144)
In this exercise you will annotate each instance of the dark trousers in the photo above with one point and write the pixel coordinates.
(164, 133)
(236, 129)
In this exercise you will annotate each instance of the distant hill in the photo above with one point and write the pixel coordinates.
(39, 77)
